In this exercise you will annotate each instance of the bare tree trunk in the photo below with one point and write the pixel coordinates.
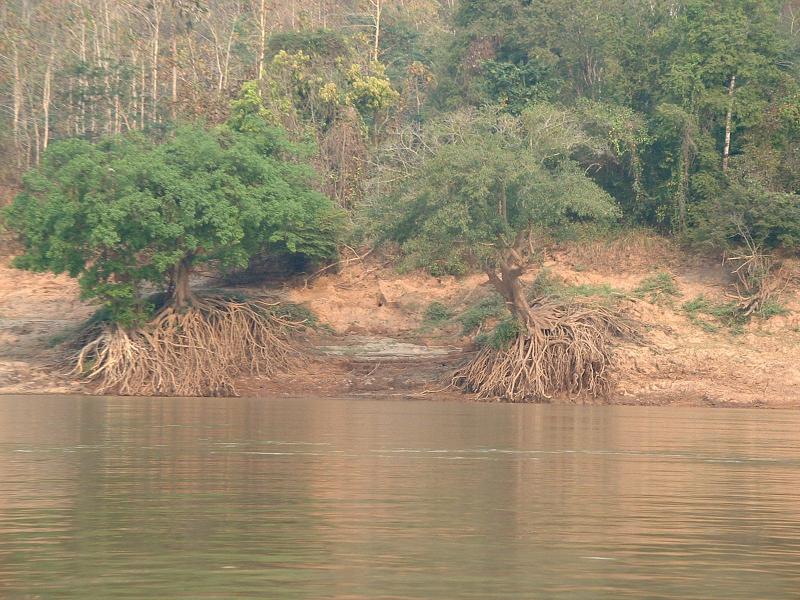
(154, 68)
(26, 145)
(726, 154)
(98, 64)
(377, 39)
(111, 98)
(217, 59)
(36, 136)
(117, 107)
(134, 92)
(174, 77)
(262, 24)
(101, 61)
(83, 81)
(17, 108)
(48, 73)
(71, 126)
(228, 56)
(142, 96)
(193, 60)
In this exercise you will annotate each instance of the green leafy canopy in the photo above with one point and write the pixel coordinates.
(486, 179)
(125, 211)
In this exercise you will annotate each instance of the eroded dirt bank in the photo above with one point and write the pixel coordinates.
(376, 339)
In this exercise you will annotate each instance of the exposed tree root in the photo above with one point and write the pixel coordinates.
(759, 277)
(566, 351)
(196, 352)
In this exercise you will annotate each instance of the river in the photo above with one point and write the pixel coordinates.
(353, 498)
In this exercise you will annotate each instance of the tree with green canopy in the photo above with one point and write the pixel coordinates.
(130, 215)
(704, 76)
(489, 184)
(129, 212)
(479, 189)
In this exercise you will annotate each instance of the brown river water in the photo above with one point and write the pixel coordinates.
(352, 498)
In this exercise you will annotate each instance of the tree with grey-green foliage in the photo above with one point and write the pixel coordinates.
(477, 189)
(482, 190)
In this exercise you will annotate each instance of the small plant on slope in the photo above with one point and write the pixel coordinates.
(658, 289)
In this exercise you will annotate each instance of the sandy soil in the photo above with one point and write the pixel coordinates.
(35, 311)
(377, 343)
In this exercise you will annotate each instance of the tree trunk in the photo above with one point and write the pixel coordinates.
(508, 284)
(83, 80)
(17, 109)
(180, 290)
(142, 96)
(174, 108)
(726, 154)
(35, 120)
(154, 67)
(46, 101)
(377, 39)
(231, 37)
(217, 57)
(262, 26)
(683, 192)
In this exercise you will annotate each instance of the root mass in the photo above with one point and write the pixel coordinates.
(565, 350)
(198, 351)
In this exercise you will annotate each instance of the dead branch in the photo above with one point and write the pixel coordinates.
(757, 275)
(343, 262)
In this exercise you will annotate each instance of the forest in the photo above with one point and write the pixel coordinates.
(149, 138)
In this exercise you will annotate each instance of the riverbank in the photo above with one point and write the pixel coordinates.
(378, 337)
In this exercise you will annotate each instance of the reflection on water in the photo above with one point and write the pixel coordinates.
(312, 498)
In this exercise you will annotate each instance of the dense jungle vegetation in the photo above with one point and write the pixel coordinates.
(149, 137)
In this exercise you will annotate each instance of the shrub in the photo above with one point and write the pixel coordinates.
(658, 289)
(437, 313)
(491, 307)
(723, 313)
(501, 336)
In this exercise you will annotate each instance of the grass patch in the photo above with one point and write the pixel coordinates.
(489, 308)
(658, 289)
(772, 308)
(603, 249)
(296, 313)
(67, 335)
(591, 290)
(300, 316)
(724, 314)
(712, 316)
(546, 284)
(437, 314)
(551, 286)
(501, 336)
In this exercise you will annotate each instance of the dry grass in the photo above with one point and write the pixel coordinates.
(639, 250)
(568, 352)
(198, 352)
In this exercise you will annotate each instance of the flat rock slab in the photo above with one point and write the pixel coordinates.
(374, 349)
